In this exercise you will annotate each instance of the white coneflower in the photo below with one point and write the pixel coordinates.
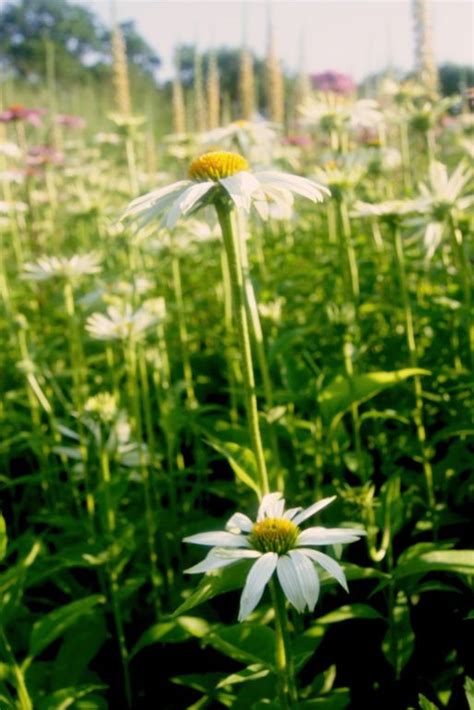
(221, 176)
(61, 267)
(120, 323)
(331, 110)
(276, 543)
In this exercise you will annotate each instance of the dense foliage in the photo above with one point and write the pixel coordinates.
(123, 425)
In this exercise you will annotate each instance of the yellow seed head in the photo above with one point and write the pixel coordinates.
(217, 165)
(274, 535)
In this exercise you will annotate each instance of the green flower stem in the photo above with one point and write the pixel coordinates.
(132, 166)
(287, 691)
(413, 355)
(238, 299)
(79, 392)
(109, 515)
(134, 395)
(183, 332)
(232, 375)
(257, 333)
(465, 277)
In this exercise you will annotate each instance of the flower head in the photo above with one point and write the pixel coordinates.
(17, 112)
(221, 175)
(276, 543)
(61, 267)
(120, 323)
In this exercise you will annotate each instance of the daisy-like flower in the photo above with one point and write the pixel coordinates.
(254, 139)
(277, 544)
(120, 323)
(221, 175)
(330, 110)
(18, 112)
(389, 209)
(440, 196)
(51, 267)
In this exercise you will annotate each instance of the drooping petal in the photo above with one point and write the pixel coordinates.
(219, 539)
(290, 583)
(327, 563)
(307, 576)
(221, 557)
(152, 199)
(241, 188)
(239, 522)
(313, 509)
(294, 183)
(328, 536)
(267, 505)
(185, 202)
(256, 582)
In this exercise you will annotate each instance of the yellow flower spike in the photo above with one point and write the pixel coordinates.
(216, 166)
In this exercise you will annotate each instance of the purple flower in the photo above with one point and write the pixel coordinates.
(333, 81)
(66, 119)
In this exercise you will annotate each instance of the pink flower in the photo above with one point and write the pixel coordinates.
(43, 155)
(66, 119)
(333, 81)
(17, 112)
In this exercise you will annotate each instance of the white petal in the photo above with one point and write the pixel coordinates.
(151, 199)
(255, 584)
(185, 202)
(328, 536)
(327, 563)
(221, 557)
(219, 538)
(291, 512)
(308, 578)
(299, 185)
(267, 505)
(313, 509)
(239, 522)
(241, 187)
(290, 583)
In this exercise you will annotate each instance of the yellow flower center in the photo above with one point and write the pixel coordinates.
(217, 165)
(274, 535)
(242, 123)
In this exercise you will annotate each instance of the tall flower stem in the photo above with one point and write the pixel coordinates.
(464, 271)
(257, 333)
(110, 521)
(232, 248)
(413, 355)
(134, 395)
(183, 332)
(287, 692)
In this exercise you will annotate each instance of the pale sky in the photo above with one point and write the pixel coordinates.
(353, 36)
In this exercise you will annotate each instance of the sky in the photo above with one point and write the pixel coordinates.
(354, 36)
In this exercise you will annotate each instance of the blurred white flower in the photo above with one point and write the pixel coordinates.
(10, 150)
(330, 110)
(219, 175)
(61, 267)
(276, 543)
(120, 323)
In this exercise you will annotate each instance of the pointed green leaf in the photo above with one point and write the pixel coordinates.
(338, 396)
(242, 461)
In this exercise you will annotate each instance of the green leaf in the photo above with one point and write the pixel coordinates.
(469, 690)
(64, 698)
(426, 704)
(338, 396)
(349, 611)
(337, 699)
(54, 624)
(247, 643)
(399, 641)
(176, 631)
(217, 582)
(458, 561)
(81, 643)
(3, 537)
(253, 672)
(242, 461)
